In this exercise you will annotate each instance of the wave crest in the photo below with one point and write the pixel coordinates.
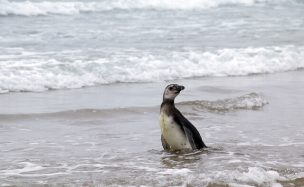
(28, 8)
(28, 71)
(31, 8)
(252, 101)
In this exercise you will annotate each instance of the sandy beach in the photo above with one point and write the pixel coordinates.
(109, 135)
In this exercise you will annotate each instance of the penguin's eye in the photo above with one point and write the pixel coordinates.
(170, 88)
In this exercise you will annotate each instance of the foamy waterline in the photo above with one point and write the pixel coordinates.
(250, 101)
(30, 71)
(34, 8)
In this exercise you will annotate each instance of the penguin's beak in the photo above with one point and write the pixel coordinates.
(180, 88)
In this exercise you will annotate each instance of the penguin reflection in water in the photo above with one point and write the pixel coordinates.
(177, 133)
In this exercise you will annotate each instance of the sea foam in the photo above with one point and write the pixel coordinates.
(29, 8)
(34, 8)
(255, 176)
(252, 101)
(30, 71)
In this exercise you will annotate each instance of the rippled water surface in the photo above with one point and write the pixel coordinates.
(81, 82)
(254, 138)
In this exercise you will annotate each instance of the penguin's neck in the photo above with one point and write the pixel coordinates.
(167, 103)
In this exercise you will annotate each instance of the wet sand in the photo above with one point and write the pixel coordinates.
(109, 135)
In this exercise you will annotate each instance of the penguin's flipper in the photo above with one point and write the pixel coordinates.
(193, 136)
(190, 131)
(189, 136)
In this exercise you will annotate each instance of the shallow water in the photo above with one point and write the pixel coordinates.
(81, 82)
(254, 139)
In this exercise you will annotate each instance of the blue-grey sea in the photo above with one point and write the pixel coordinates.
(81, 82)
(49, 45)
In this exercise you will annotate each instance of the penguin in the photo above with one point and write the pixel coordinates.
(177, 132)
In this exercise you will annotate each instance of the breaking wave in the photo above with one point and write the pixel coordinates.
(34, 8)
(250, 101)
(29, 71)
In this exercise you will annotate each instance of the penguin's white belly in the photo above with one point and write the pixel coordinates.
(172, 133)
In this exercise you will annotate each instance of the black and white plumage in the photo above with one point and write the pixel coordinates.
(178, 133)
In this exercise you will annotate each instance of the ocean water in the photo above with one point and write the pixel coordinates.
(81, 83)
(48, 45)
(253, 126)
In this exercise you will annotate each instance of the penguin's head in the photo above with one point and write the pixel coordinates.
(172, 90)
